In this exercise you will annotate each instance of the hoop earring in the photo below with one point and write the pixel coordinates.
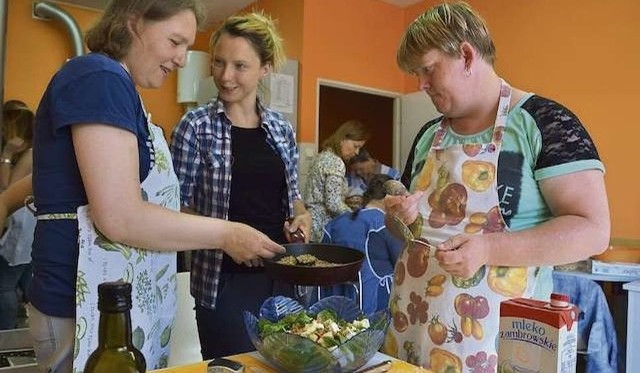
(467, 72)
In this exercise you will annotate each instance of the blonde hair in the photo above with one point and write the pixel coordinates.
(18, 121)
(349, 130)
(260, 31)
(445, 27)
(111, 35)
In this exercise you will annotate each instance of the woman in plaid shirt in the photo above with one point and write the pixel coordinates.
(237, 159)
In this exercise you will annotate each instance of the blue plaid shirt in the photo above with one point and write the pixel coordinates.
(201, 151)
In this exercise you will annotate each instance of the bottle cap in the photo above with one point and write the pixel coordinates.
(560, 300)
(114, 296)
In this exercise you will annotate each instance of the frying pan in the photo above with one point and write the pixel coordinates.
(348, 263)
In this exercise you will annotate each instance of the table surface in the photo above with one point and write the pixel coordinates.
(598, 276)
(254, 363)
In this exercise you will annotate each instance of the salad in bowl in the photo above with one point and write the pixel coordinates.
(333, 335)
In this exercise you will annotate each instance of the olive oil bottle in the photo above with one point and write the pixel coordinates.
(115, 352)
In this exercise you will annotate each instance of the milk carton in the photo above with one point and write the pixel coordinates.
(537, 336)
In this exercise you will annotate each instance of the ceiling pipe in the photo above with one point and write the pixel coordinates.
(50, 11)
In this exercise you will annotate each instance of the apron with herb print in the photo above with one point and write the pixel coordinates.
(443, 322)
(151, 273)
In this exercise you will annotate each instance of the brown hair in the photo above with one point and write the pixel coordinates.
(111, 34)
(18, 121)
(260, 31)
(349, 130)
(375, 191)
(445, 27)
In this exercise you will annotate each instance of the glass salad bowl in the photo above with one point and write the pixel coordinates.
(345, 342)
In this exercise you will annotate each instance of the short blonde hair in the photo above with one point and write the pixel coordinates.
(445, 27)
(349, 130)
(260, 31)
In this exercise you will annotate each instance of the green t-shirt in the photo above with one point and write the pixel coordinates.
(542, 139)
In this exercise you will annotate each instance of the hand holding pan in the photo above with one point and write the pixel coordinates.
(293, 237)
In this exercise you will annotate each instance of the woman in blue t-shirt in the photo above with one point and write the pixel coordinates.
(105, 191)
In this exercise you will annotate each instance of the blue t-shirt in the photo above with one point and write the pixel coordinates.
(88, 89)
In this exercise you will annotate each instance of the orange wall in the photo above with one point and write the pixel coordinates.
(348, 41)
(289, 17)
(36, 49)
(586, 55)
(582, 53)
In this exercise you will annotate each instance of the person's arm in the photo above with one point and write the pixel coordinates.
(334, 186)
(13, 197)
(23, 167)
(301, 219)
(109, 170)
(10, 149)
(187, 162)
(580, 228)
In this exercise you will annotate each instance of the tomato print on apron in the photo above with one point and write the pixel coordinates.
(151, 273)
(442, 322)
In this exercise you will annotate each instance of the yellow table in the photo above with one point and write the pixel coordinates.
(253, 363)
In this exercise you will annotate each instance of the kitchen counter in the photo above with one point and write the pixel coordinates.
(254, 363)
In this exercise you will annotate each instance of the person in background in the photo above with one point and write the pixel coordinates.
(326, 187)
(106, 196)
(505, 185)
(364, 230)
(17, 133)
(362, 168)
(17, 236)
(237, 159)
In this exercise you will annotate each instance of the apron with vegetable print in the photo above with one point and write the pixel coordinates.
(151, 273)
(443, 322)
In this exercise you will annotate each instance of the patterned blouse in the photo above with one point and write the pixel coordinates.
(325, 191)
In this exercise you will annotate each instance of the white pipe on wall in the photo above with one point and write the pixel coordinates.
(50, 11)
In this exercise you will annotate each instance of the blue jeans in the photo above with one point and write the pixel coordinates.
(53, 341)
(11, 279)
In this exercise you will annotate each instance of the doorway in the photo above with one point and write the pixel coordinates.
(339, 102)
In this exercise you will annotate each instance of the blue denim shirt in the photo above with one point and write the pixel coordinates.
(15, 243)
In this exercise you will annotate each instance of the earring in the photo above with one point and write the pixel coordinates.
(467, 72)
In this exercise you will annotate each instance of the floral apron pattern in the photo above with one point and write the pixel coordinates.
(152, 273)
(442, 322)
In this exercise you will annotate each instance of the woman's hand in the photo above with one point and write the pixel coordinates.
(405, 207)
(13, 146)
(245, 244)
(463, 254)
(301, 221)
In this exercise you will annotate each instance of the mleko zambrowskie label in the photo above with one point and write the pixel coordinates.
(537, 336)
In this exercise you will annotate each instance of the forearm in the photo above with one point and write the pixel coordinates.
(299, 208)
(5, 174)
(154, 227)
(561, 240)
(13, 198)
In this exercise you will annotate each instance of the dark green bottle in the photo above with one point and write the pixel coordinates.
(115, 352)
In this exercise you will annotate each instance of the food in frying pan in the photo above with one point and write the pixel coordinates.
(305, 260)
